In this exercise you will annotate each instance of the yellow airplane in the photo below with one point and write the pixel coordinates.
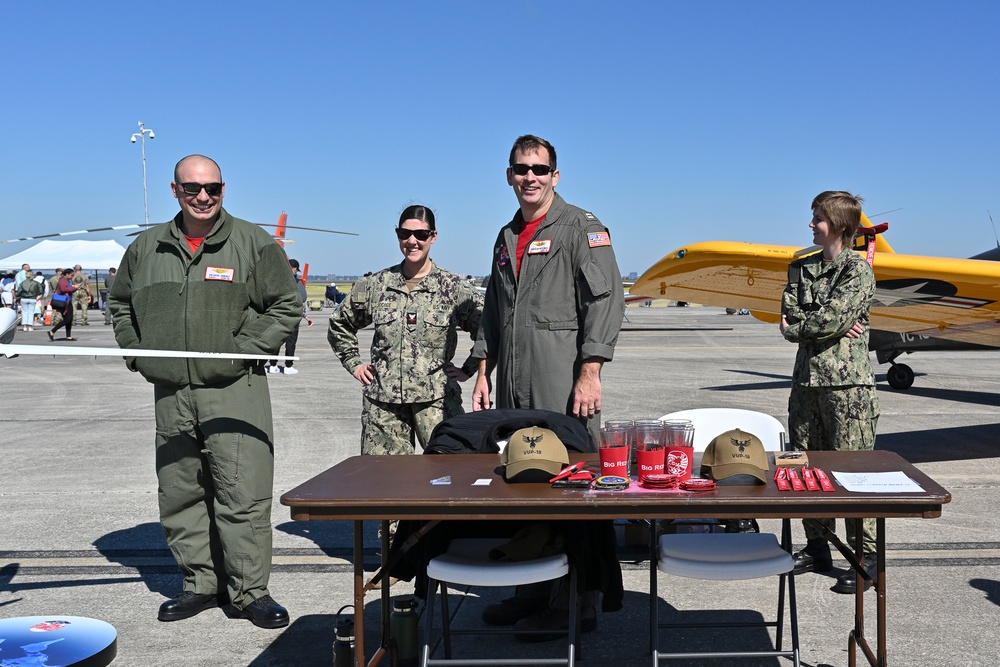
(921, 303)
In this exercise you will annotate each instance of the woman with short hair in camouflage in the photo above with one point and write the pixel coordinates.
(417, 308)
(833, 404)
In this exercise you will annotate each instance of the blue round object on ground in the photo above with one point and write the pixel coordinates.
(56, 641)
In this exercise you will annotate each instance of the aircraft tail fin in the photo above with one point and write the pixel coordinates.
(881, 245)
(279, 234)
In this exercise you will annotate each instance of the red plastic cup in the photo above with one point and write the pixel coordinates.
(649, 461)
(679, 441)
(614, 461)
(614, 452)
(679, 461)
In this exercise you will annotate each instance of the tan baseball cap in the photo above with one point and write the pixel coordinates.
(735, 453)
(533, 454)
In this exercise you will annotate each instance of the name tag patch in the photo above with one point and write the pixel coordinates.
(541, 247)
(597, 239)
(219, 273)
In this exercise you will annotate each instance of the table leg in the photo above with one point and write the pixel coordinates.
(359, 594)
(883, 659)
(857, 638)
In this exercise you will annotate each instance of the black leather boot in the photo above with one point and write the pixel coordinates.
(814, 558)
(848, 582)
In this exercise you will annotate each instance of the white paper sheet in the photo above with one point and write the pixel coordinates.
(876, 482)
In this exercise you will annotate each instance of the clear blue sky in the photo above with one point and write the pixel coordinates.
(674, 122)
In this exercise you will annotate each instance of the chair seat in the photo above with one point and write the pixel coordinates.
(467, 562)
(723, 556)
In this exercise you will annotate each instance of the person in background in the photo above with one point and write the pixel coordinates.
(21, 275)
(293, 338)
(410, 384)
(108, 282)
(7, 290)
(42, 300)
(833, 404)
(62, 299)
(206, 281)
(553, 311)
(82, 298)
(28, 292)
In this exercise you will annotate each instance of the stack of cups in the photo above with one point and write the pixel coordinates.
(649, 455)
(678, 440)
(617, 437)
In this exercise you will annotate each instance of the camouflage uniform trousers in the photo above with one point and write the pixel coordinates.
(81, 300)
(392, 428)
(835, 418)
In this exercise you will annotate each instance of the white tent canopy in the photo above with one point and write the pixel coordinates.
(91, 255)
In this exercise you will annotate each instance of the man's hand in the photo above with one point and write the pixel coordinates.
(587, 390)
(855, 331)
(364, 374)
(481, 394)
(783, 325)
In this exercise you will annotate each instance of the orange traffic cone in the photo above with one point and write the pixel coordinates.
(48, 315)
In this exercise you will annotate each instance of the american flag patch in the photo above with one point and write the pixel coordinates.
(597, 239)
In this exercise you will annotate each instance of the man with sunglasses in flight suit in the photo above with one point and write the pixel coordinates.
(553, 311)
(209, 282)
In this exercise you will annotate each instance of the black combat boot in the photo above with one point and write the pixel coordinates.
(848, 582)
(814, 558)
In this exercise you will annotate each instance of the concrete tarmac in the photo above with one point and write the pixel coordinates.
(79, 533)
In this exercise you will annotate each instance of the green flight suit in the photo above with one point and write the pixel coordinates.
(566, 306)
(833, 404)
(214, 442)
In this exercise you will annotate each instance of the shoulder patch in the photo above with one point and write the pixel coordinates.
(589, 216)
(597, 239)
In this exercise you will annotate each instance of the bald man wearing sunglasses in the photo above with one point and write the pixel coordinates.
(209, 282)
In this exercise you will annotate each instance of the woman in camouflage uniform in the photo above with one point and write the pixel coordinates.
(417, 308)
(833, 404)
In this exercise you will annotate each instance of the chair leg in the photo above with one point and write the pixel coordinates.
(574, 618)
(446, 620)
(793, 615)
(428, 621)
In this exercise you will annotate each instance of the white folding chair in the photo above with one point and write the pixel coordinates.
(727, 556)
(467, 563)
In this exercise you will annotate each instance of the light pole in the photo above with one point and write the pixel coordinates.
(142, 141)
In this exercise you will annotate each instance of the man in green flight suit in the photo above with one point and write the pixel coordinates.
(209, 282)
(553, 311)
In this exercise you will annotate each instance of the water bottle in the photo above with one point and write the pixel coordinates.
(343, 639)
(403, 629)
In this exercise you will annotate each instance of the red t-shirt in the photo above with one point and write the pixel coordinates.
(524, 236)
(194, 244)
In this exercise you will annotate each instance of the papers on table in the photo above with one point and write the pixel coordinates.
(876, 482)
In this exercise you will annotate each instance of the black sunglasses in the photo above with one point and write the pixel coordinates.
(421, 234)
(211, 189)
(536, 169)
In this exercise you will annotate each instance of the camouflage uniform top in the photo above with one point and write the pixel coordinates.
(821, 305)
(416, 333)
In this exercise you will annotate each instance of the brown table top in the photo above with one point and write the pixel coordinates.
(398, 487)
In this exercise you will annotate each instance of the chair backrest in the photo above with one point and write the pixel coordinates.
(711, 422)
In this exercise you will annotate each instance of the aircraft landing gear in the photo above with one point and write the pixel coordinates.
(900, 376)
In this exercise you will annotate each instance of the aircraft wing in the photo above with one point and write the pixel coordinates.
(952, 299)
